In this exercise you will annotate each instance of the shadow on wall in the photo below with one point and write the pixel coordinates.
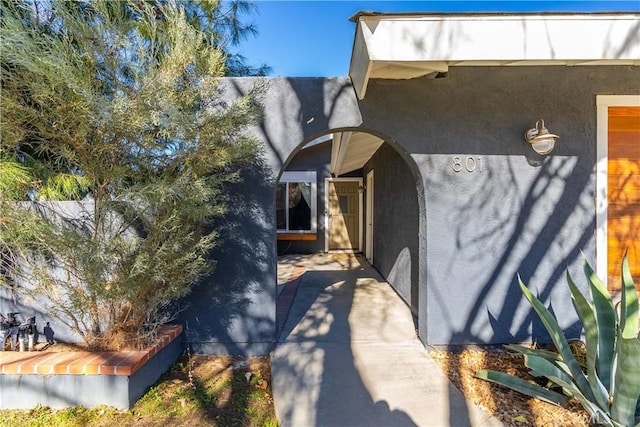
(538, 233)
(535, 228)
(233, 310)
(396, 224)
(316, 104)
(26, 307)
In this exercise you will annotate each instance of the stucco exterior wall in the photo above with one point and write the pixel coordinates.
(233, 311)
(28, 303)
(396, 223)
(513, 212)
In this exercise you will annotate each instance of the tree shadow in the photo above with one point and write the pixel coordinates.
(233, 310)
(526, 224)
(314, 365)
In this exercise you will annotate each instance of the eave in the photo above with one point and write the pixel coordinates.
(406, 46)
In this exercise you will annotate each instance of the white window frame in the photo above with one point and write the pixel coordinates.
(603, 102)
(302, 176)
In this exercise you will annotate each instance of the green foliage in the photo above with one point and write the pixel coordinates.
(77, 416)
(610, 388)
(226, 26)
(117, 102)
(30, 179)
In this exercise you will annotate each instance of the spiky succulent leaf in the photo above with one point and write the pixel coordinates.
(551, 356)
(541, 367)
(606, 320)
(522, 386)
(524, 350)
(629, 303)
(627, 377)
(559, 340)
(587, 316)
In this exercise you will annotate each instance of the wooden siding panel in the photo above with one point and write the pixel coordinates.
(623, 214)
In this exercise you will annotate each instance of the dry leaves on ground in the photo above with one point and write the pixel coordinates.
(512, 408)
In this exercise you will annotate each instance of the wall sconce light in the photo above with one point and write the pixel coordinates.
(540, 139)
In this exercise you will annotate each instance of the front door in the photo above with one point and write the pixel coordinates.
(343, 215)
(623, 214)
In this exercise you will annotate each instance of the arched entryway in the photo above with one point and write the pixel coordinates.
(354, 191)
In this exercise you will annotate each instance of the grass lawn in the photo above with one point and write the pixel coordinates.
(196, 391)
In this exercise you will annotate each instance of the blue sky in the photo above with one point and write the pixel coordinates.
(314, 38)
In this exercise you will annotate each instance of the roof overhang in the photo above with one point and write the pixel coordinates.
(406, 46)
(350, 151)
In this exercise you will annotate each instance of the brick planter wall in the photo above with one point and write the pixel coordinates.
(64, 379)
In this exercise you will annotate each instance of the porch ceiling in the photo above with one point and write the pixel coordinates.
(405, 46)
(358, 148)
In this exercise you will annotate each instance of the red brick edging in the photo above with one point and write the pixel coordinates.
(84, 362)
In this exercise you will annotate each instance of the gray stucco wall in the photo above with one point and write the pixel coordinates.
(522, 214)
(233, 311)
(396, 223)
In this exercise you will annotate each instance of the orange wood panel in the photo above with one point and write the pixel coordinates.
(624, 123)
(297, 236)
(631, 181)
(624, 111)
(624, 145)
(623, 215)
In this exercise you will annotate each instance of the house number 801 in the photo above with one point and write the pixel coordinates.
(470, 164)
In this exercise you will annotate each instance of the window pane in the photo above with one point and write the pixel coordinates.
(281, 209)
(299, 206)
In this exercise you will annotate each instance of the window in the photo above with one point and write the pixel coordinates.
(296, 203)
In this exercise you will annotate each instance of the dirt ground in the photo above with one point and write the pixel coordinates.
(512, 408)
(212, 391)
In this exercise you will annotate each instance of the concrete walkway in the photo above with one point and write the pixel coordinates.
(348, 354)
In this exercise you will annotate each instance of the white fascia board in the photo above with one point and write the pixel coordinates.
(360, 67)
(344, 147)
(338, 152)
(335, 151)
(409, 46)
(502, 38)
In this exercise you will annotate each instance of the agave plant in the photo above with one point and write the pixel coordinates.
(610, 387)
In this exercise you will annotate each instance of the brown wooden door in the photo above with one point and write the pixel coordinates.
(344, 215)
(623, 214)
